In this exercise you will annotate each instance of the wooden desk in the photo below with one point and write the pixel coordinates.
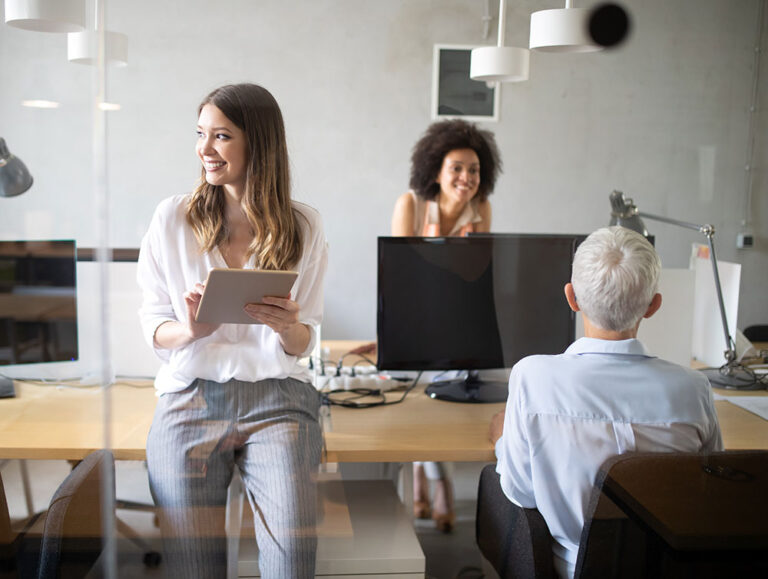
(49, 422)
(61, 422)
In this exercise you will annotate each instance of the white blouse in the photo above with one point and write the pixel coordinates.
(170, 263)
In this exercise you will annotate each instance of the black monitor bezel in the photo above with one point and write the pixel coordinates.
(384, 364)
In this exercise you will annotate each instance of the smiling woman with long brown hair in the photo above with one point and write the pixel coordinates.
(235, 394)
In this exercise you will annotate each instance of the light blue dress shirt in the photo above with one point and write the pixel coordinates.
(567, 414)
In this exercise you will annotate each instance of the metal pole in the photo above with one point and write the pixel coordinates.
(686, 224)
(729, 352)
(502, 21)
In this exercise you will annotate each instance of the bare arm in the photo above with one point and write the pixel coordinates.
(496, 428)
(484, 209)
(403, 216)
(172, 335)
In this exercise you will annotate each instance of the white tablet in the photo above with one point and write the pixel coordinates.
(228, 290)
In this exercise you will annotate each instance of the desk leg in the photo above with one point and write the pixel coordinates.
(406, 487)
(27, 487)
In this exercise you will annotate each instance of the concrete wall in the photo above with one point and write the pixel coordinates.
(665, 119)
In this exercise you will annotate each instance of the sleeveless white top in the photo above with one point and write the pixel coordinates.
(426, 221)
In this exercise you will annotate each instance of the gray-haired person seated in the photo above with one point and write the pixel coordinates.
(605, 395)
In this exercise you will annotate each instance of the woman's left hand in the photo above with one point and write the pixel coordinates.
(282, 315)
(277, 313)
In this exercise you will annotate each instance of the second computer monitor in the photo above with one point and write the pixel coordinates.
(471, 303)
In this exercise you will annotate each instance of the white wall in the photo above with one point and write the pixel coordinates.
(665, 119)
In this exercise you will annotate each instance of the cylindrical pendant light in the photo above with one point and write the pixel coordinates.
(562, 30)
(83, 47)
(46, 15)
(499, 63)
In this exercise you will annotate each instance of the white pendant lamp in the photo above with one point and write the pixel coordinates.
(46, 15)
(83, 47)
(499, 63)
(562, 30)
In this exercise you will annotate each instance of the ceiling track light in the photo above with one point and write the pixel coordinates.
(46, 15)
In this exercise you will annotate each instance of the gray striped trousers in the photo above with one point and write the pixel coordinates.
(270, 430)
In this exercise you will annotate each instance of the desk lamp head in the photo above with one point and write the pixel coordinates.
(625, 214)
(14, 176)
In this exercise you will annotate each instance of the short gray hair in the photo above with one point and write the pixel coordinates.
(615, 276)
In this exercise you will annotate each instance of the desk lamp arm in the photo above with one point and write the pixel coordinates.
(625, 213)
(709, 232)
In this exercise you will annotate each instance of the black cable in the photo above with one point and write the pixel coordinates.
(351, 401)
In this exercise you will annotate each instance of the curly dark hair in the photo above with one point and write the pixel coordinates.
(440, 139)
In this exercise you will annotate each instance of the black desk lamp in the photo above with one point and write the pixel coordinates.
(731, 374)
(14, 176)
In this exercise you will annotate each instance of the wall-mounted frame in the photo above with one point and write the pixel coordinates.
(454, 94)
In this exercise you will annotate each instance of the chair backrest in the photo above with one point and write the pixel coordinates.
(516, 541)
(687, 514)
(72, 535)
(611, 544)
(719, 497)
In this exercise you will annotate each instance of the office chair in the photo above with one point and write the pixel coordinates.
(19, 545)
(702, 515)
(69, 541)
(516, 541)
(709, 494)
(72, 538)
(8, 542)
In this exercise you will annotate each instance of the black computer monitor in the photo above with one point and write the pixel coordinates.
(38, 303)
(472, 303)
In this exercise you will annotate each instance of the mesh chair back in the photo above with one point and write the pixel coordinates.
(72, 535)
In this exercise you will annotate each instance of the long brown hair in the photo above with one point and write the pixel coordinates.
(267, 199)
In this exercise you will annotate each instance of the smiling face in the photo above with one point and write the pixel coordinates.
(459, 177)
(221, 147)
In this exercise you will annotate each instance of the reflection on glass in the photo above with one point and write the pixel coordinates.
(38, 304)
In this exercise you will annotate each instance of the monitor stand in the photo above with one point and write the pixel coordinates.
(469, 389)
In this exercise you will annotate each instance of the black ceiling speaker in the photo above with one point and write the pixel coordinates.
(609, 25)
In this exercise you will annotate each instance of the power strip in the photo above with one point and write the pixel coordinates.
(381, 382)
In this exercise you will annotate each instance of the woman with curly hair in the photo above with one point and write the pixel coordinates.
(453, 170)
(234, 395)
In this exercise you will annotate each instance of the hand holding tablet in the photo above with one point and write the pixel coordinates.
(227, 291)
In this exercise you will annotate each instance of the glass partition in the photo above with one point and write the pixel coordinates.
(105, 124)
